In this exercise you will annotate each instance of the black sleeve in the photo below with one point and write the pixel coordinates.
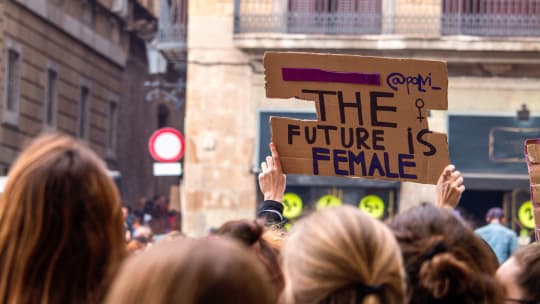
(271, 212)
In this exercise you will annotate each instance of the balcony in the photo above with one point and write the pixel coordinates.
(172, 28)
(405, 18)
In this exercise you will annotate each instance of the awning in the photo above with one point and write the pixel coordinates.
(330, 181)
(495, 181)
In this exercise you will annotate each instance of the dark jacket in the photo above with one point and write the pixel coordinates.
(271, 212)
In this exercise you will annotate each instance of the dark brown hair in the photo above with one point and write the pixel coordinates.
(445, 261)
(254, 235)
(61, 232)
(528, 276)
(202, 271)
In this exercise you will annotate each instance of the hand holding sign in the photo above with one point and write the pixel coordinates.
(272, 181)
(371, 115)
(449, 187)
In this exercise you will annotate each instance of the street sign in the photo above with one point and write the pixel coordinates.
(166, 145)
(167, 169)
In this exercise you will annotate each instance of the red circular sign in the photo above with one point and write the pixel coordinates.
(166, 145)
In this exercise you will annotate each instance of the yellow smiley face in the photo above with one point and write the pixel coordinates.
(293, 205)
(328, 200)
(526, 215)
(372, 205)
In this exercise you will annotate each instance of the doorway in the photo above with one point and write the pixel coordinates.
(474, 205)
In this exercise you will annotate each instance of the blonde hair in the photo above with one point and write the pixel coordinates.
(335, 255)
(193, 271)
(61, 232)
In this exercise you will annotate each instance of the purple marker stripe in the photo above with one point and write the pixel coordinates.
(317, 75)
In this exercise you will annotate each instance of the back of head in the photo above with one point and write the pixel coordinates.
(61, 232)
(495, 213)
(528, 277)
(341, 255)
(192, 272)
(264, 243)
(445, 261)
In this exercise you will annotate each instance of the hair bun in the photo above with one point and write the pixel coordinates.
(442, 274)
(248, 232)
(255, 232)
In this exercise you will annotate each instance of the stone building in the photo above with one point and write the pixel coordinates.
(492, 49)
(79, 67)
(62, 69)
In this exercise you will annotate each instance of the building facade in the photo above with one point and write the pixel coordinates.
(80, 68)
(492, 49)
(62, 64)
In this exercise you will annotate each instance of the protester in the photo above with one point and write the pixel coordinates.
(503, 241)
(61, 228)
(520, 275)
(265, 245)
(193, 271)
(445, 261)
(272, 184)
(342, 255)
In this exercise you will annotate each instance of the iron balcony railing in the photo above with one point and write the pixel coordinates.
(364, 17)
(172, 24)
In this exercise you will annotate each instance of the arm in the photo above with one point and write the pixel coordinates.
(449, 188)
(272, 183)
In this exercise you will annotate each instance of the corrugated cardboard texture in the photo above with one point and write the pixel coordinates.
(372, 116)
(532, 154)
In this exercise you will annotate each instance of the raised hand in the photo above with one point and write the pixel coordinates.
(449, 187)
(272, 180)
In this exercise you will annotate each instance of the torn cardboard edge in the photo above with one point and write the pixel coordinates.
(532, 155)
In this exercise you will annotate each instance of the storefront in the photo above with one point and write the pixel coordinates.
(488, 150)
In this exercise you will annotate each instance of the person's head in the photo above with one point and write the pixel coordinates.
(125, 213)
(445, 261)
(263, 244)
(520, 275)
(342, 255)
(495, 214)
(192, 271)
(61, 229)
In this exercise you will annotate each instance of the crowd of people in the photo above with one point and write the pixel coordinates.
(64, 238)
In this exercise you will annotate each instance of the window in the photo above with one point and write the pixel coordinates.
(114, 30)
(112, 127)
(83, 125)
(491, 17)
(335, 16)
(88, 13)
(51, 94)
(12, 83)
(162, 116)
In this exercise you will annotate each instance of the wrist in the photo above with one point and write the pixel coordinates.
(273, 197)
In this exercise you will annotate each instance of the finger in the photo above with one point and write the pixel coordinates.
(264, 167)
(284, 179)
(461, 188)
(275, 156)
(457, 182)
(447, 172)
(270, 162)
(456, 175)
(450, 168)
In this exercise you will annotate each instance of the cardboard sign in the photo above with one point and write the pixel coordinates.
(532, 154)
(371, 116)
